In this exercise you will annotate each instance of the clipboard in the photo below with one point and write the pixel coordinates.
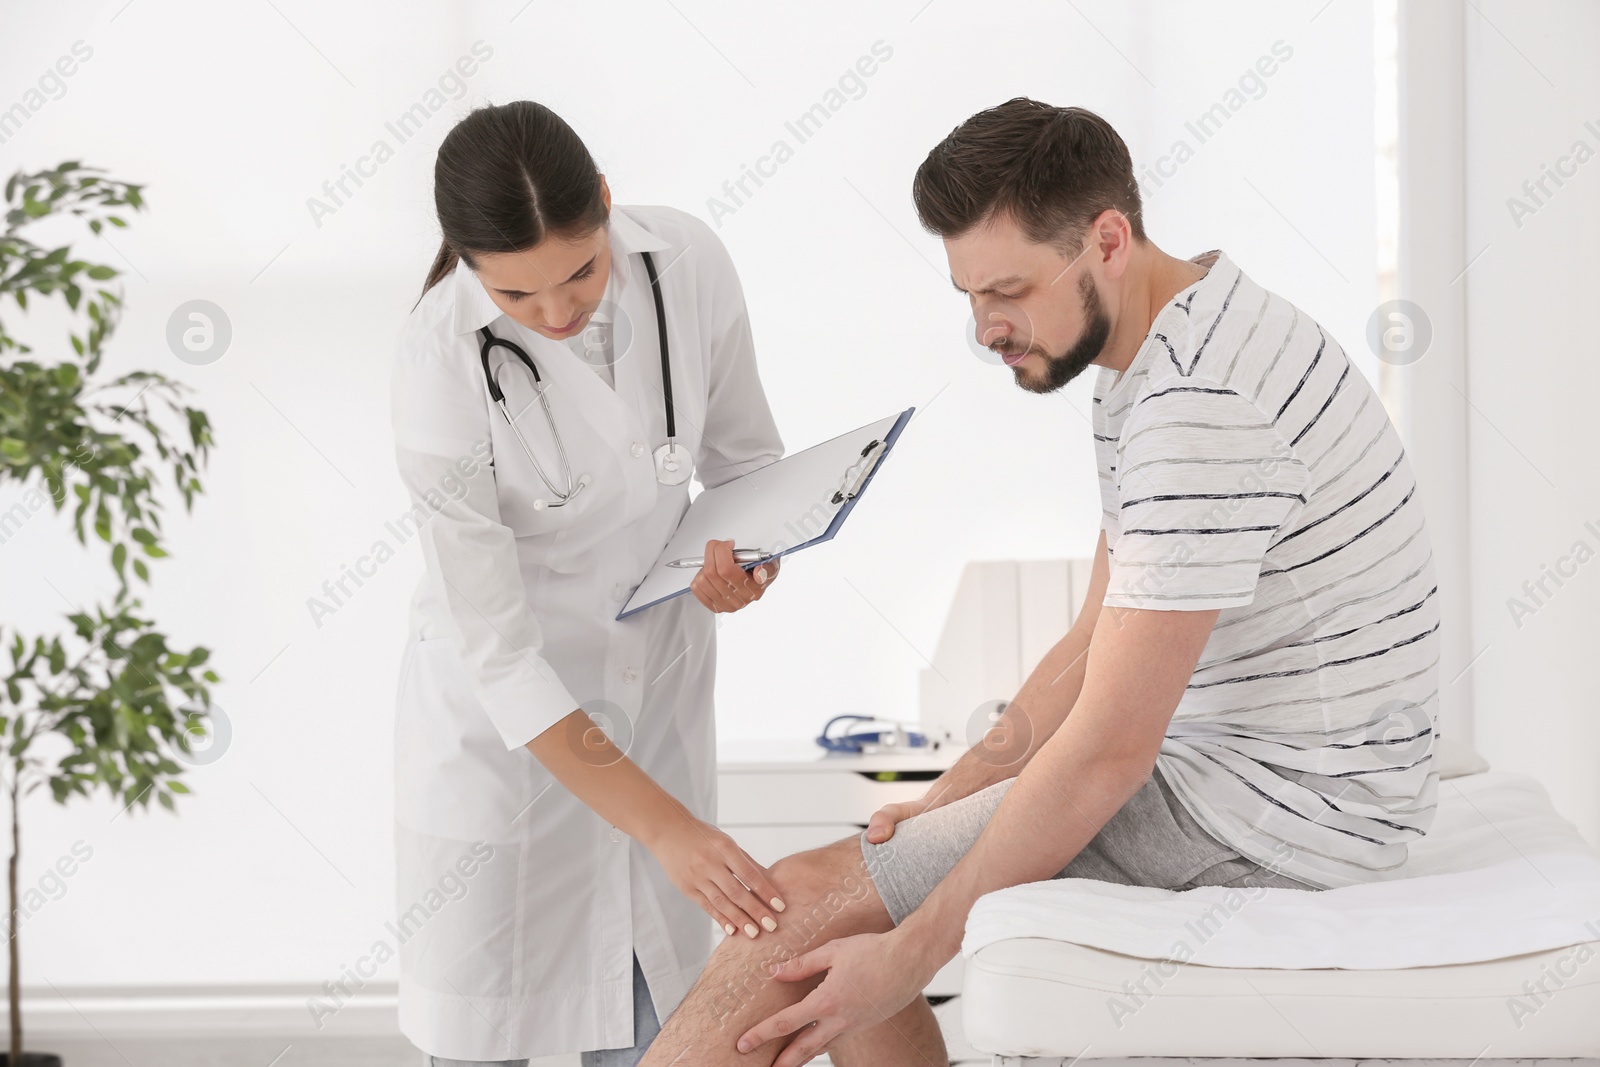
(792, 503)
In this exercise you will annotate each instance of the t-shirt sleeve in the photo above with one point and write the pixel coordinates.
(1205, 483)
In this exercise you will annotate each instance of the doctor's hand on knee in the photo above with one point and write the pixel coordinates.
(722, 585)
(710, 869)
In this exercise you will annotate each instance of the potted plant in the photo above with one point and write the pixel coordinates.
(109, 703)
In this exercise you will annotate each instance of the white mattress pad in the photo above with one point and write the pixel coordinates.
(1499, 874)
(1487, 949)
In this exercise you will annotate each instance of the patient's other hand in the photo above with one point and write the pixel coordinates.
(881, 826)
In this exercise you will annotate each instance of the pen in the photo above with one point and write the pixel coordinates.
(740, 555)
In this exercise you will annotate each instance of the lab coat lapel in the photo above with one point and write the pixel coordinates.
(636, 390)
(632, 405)
(638, 373)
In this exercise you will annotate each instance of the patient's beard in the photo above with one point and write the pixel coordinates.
(1059, 370)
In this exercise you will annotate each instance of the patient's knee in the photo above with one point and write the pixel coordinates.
(827, 894)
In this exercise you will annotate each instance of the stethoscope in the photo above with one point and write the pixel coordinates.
(674, 465)
(878, 736)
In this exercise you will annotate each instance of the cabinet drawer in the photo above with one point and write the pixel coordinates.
(814, 797)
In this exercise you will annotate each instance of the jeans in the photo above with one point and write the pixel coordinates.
(645, 1028)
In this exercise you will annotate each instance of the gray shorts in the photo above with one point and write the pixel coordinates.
(1152, 840)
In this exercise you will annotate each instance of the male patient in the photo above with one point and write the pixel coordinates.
(1249, 693)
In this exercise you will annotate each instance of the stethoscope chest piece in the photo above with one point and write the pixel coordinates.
(674, 464)
(563, 499)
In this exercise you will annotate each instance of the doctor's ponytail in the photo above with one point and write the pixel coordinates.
(506, 177)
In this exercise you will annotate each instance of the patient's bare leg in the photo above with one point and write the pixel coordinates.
(827, 894)
(910, 1037)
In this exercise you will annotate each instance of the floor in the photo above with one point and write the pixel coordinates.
(245, 1052)
(118, 1051)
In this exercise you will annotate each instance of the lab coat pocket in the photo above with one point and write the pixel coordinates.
(456, 916)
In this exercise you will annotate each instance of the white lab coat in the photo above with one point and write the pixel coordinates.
(520, 909)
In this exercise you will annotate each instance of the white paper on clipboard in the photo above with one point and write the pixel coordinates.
(791, 503)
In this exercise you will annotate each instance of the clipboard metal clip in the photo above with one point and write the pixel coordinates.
(857, 475)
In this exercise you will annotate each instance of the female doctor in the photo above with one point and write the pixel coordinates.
(555, 767)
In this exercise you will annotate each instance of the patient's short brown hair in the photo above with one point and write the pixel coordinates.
(1052, 169)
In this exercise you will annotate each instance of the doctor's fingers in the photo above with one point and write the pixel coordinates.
(760, 892)
(729, 896)
(759, 579)
(708, 586)
(717, 594)
(736, 583)
(744, 884)
(713, 593)
(723, 913)
(752, 874)
(764, 576)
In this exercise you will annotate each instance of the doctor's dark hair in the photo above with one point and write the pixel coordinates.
(1052, 169)
(507, 177)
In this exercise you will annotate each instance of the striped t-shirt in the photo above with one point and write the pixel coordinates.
(1246, 465)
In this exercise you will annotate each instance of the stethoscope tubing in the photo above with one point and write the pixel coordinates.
(661, 333)
(497, 395)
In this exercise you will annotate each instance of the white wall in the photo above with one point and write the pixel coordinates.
(1533, 93)
(1430, 250)
(278, 868)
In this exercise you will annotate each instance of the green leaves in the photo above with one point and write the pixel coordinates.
(70, 189)
(113, 688)
(106, 443)
(125, 700)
